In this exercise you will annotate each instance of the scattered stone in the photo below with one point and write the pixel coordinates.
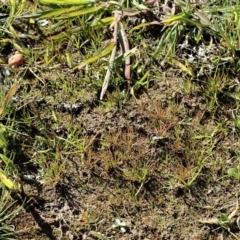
(70, 108)
(16, 60)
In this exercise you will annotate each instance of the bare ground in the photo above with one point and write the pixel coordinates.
(139, 155)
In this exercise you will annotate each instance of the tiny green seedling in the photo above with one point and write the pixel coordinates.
(223, 220)
(235, 172)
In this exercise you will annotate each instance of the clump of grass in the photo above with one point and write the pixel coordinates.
(8, 211)
(4, 143)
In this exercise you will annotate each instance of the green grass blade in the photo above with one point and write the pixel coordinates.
(9, 96)
(3, 141)
(169, 36)
(183, 67)
(54, 13)
(96, 57)
(142, 82)
(182, 4)
(142, 25)
(8, 162)
(228, 9)
(66, 2)
(6, 181)
(103, 22)
(13, 4)
(178, 17)
(121, 58)
(79, 13)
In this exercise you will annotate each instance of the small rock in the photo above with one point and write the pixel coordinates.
(16, 60)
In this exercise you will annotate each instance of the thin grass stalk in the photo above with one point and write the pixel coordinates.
(112, 58)
(125, 48)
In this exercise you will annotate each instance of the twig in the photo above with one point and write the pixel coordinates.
(139, 189)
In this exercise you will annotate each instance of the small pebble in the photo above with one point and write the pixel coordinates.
(16, 60)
